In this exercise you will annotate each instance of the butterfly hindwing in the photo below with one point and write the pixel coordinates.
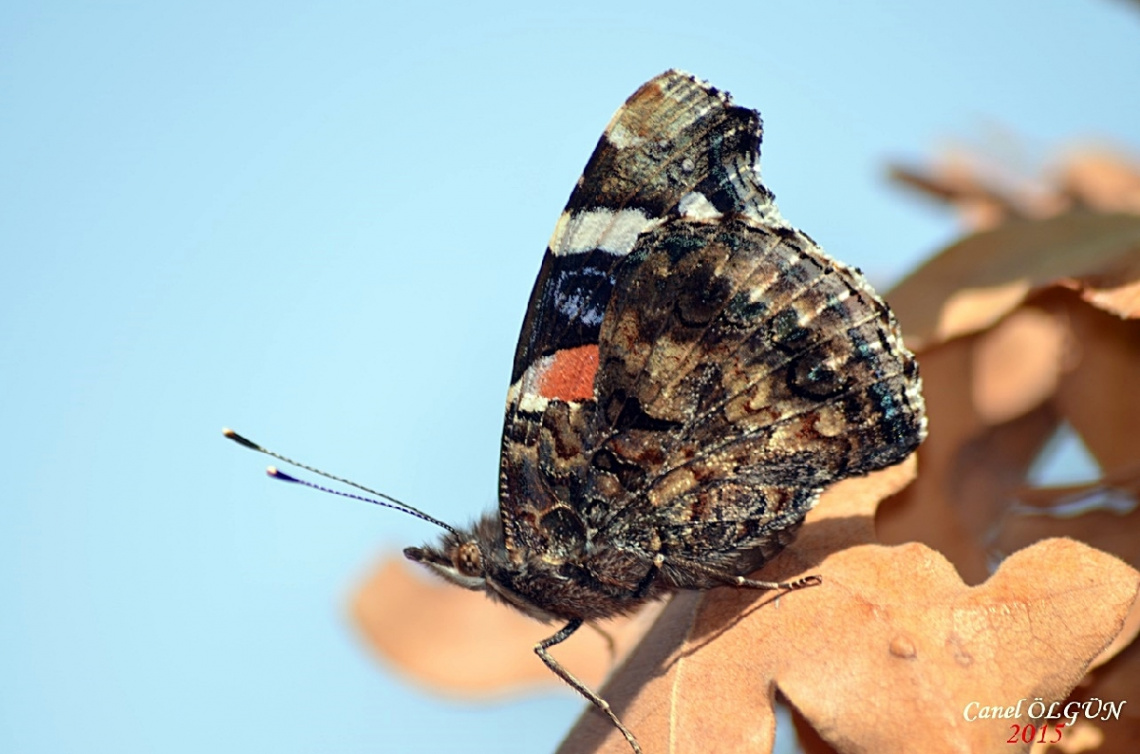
(747, 372)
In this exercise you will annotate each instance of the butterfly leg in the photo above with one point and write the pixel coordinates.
(729, 579)
(806, 581)
(581, 688)
(654, 570)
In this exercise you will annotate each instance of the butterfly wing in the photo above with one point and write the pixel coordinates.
(691, 370)
(674, 137)
(748, 372)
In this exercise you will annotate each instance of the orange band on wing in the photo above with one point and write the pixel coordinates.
(570, 375)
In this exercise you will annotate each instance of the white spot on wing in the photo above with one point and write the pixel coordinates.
(524, 394)
(622, 138)
(605, 229)
(696, 206)
(578, 308)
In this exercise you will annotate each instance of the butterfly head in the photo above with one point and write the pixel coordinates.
(456, 558)
(463, 556)
(478, 558)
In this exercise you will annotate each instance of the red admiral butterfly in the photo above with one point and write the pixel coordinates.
(691, 373)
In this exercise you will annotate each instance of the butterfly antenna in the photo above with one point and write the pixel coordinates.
(386, 501)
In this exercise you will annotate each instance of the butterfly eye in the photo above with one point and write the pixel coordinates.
(468, 559)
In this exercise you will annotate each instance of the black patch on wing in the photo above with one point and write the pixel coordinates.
(736, 145)
(691, 138)
(566, 306)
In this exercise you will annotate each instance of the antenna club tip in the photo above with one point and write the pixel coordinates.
(276, 473)
(229, 434)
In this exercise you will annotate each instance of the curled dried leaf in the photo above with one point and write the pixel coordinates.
(979, 280)
(459, 642)
(990, 189)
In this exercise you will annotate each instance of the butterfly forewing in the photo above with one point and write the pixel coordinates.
(676, 147)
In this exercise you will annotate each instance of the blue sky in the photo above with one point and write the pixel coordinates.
(319, 224)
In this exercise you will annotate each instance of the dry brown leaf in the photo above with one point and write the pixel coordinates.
(1102, 180)
(956, 182)
(1101, 513)
(884, 656)
(979, 280)
(1004, 368)
(994, 400)
(459, 642)
(1024, 330)
(1018, 364)
(1115, 681)
(970, 466)
(990, 189)
(1100, 397)
(1082, 737)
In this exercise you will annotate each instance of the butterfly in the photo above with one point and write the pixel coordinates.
(692, 372)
